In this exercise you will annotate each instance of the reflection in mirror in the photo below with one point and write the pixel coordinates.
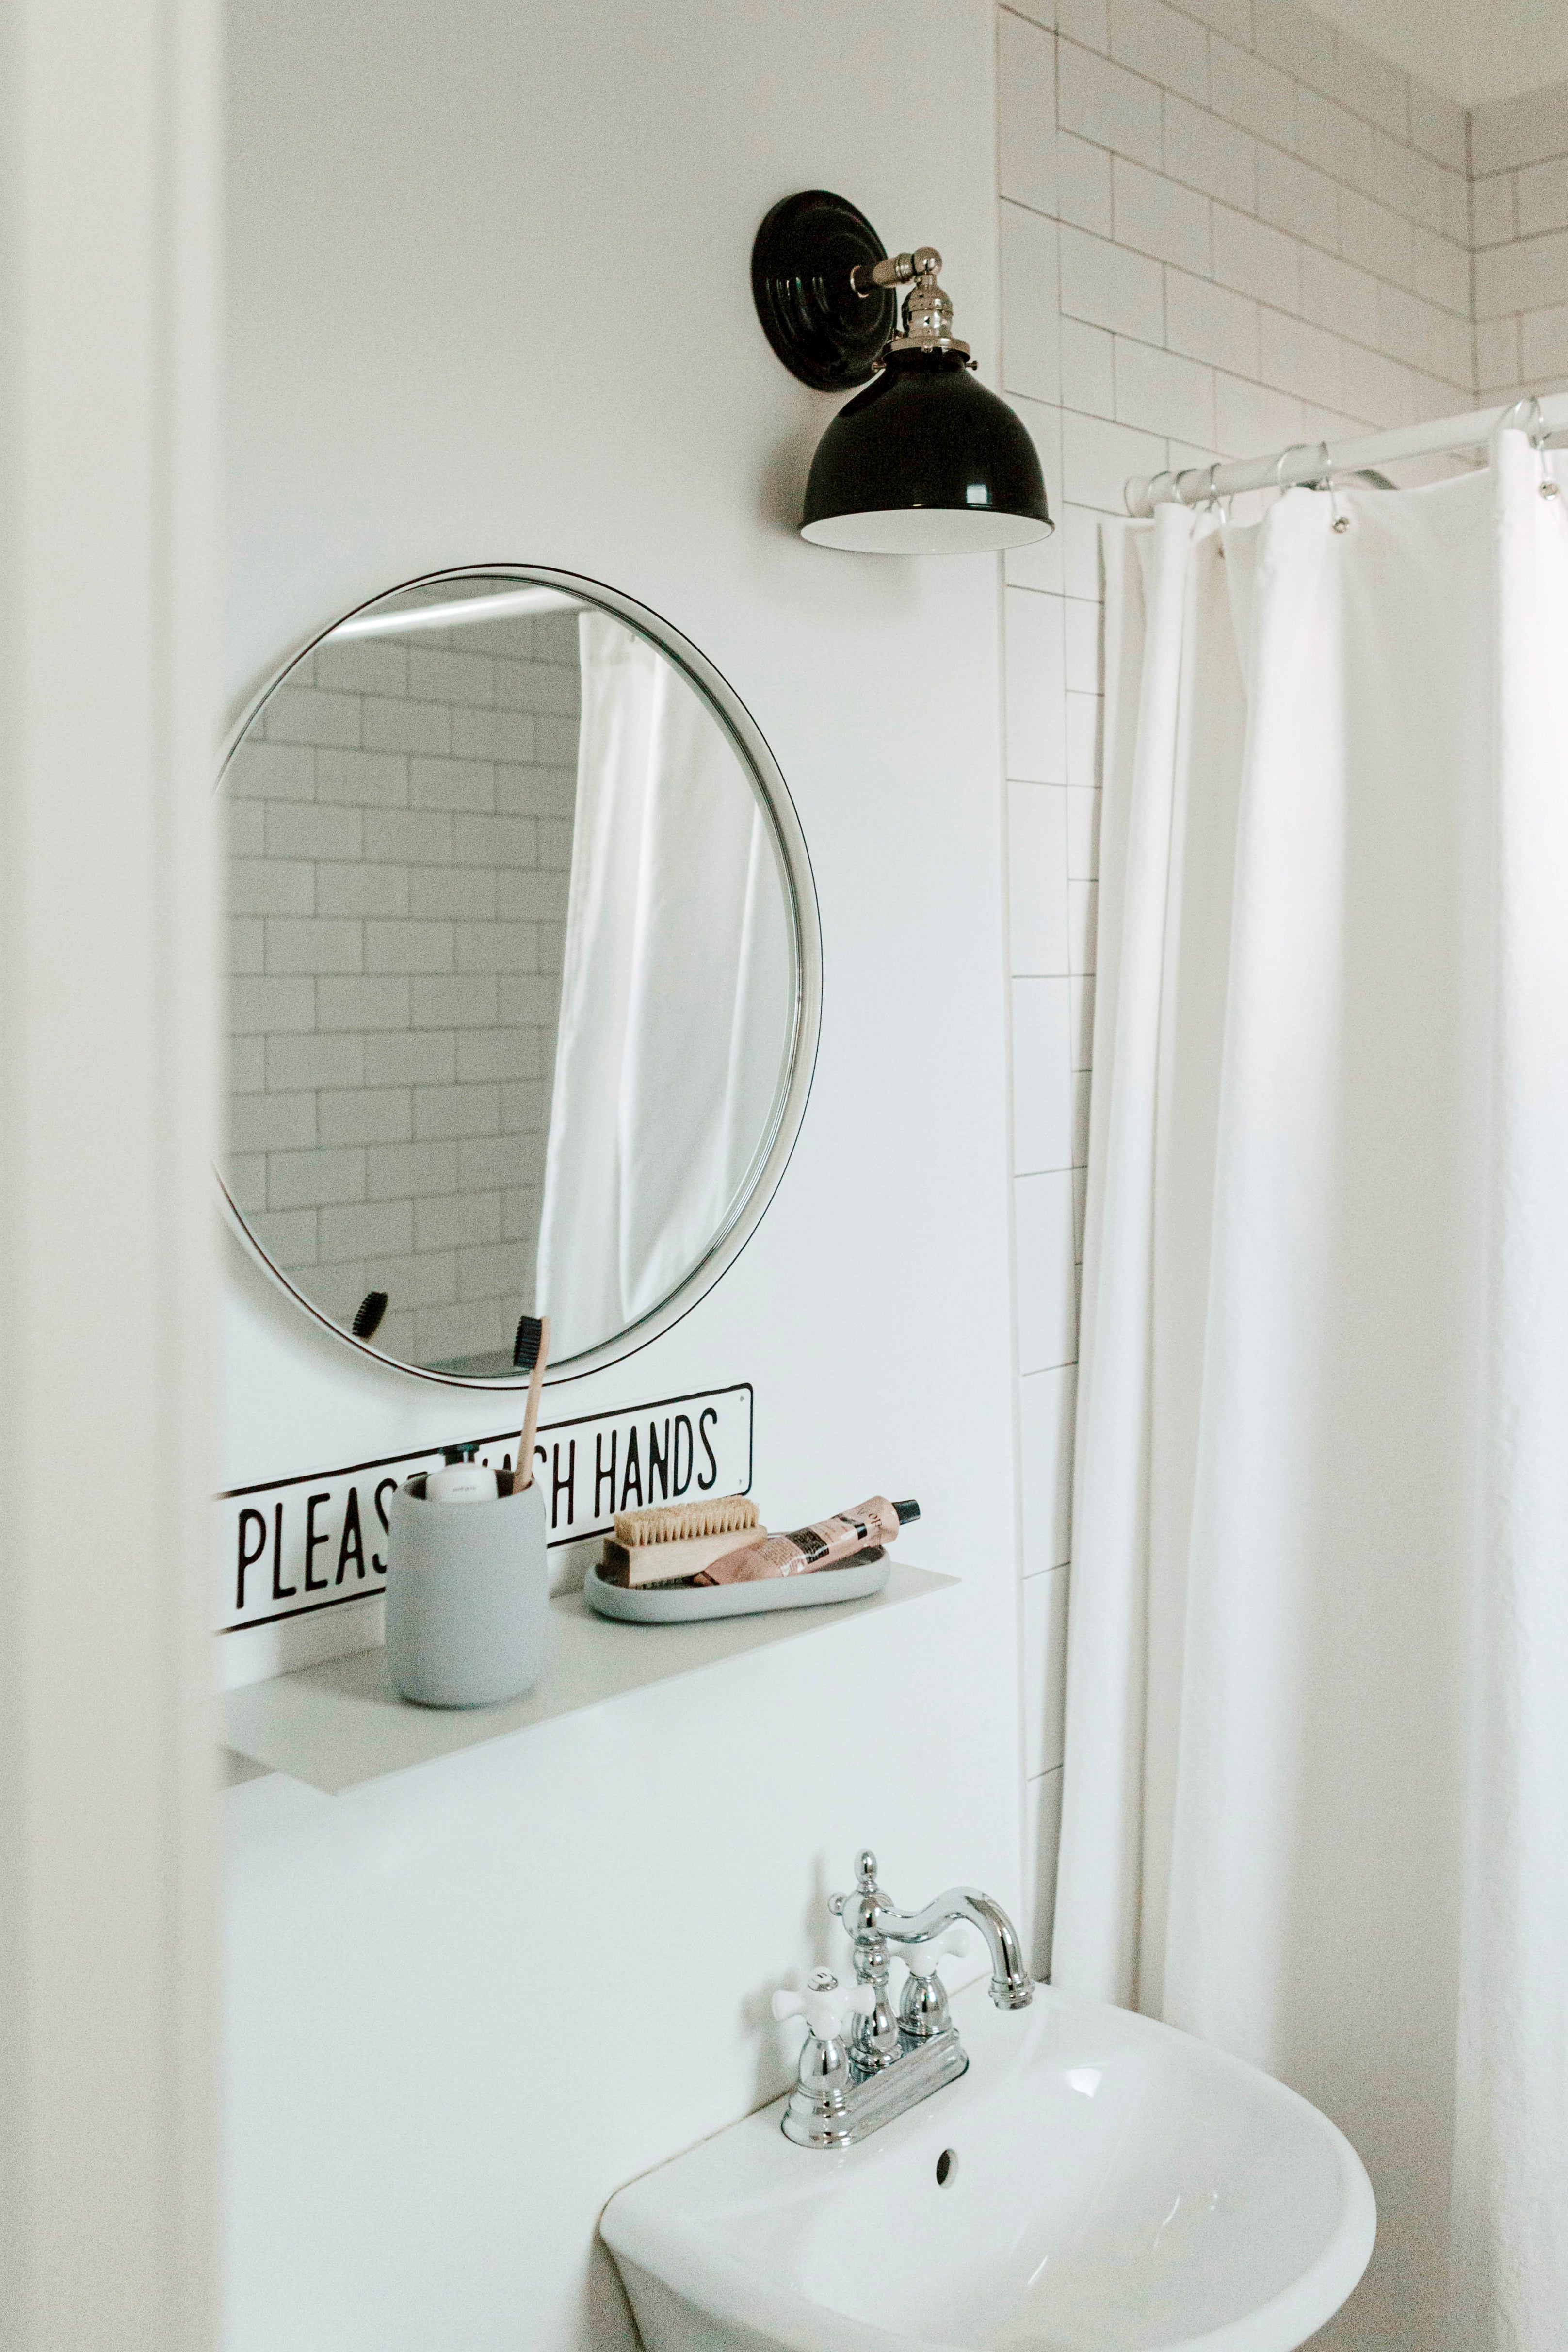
(516, 957)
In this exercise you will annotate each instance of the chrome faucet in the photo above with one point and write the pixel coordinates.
(861, 2063)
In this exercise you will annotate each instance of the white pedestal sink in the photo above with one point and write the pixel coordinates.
(1109, 2185)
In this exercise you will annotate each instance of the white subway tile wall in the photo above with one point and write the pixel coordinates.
(1226, 227)
(1519, 147)
(400, 841)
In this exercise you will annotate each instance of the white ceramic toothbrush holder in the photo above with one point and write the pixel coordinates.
(468, 1596)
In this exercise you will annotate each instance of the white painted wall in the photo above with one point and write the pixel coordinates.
(110, 377)
(489, 300)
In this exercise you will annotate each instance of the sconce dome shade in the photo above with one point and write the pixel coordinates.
(925, 461)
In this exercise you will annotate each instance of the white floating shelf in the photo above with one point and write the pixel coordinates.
(341, 1724)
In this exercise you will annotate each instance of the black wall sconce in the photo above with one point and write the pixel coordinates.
(924, 461)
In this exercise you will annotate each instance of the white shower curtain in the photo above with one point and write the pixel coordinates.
(1315, 1805)
(677, 995)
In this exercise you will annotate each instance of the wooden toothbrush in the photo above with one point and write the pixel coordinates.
(530, 1353)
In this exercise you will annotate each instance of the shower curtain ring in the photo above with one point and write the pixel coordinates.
(1321, 481)
(1283, 459)
(1339, 521)
(1525, 417)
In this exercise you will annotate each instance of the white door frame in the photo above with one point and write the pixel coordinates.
(109, 225)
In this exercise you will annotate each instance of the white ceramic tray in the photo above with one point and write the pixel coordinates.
(671, 1604)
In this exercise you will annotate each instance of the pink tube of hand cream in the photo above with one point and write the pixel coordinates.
(824, 1543)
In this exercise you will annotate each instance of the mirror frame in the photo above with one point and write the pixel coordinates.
(795, 862)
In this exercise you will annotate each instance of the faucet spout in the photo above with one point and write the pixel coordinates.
(895, 2062)
(1011, 1984)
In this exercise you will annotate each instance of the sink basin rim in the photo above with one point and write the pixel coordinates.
(643, 2228)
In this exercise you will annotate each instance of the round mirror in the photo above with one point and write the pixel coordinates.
(525, 973)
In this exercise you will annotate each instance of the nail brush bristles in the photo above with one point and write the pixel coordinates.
(678, 1522)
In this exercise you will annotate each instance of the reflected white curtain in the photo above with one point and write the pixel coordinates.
(677, 994)
(1315, 1805)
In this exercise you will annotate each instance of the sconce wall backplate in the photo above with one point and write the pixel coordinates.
(824, 331)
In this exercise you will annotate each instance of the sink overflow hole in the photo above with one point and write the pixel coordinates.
(947, 2166)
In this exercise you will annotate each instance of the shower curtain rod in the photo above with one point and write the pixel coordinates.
(1313, 461)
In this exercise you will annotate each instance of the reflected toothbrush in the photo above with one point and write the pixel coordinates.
(530, 1353)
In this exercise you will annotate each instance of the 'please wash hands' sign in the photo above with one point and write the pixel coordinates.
(295, 1545)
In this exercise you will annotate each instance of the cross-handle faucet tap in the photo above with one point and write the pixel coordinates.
(817, 2116)
(871, 1920)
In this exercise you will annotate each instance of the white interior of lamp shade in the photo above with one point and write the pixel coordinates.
(925, 531)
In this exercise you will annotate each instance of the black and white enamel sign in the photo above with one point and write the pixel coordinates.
(292, 1547)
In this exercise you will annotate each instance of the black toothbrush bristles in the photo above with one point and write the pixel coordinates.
(367, 1319)
(525, 1346)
